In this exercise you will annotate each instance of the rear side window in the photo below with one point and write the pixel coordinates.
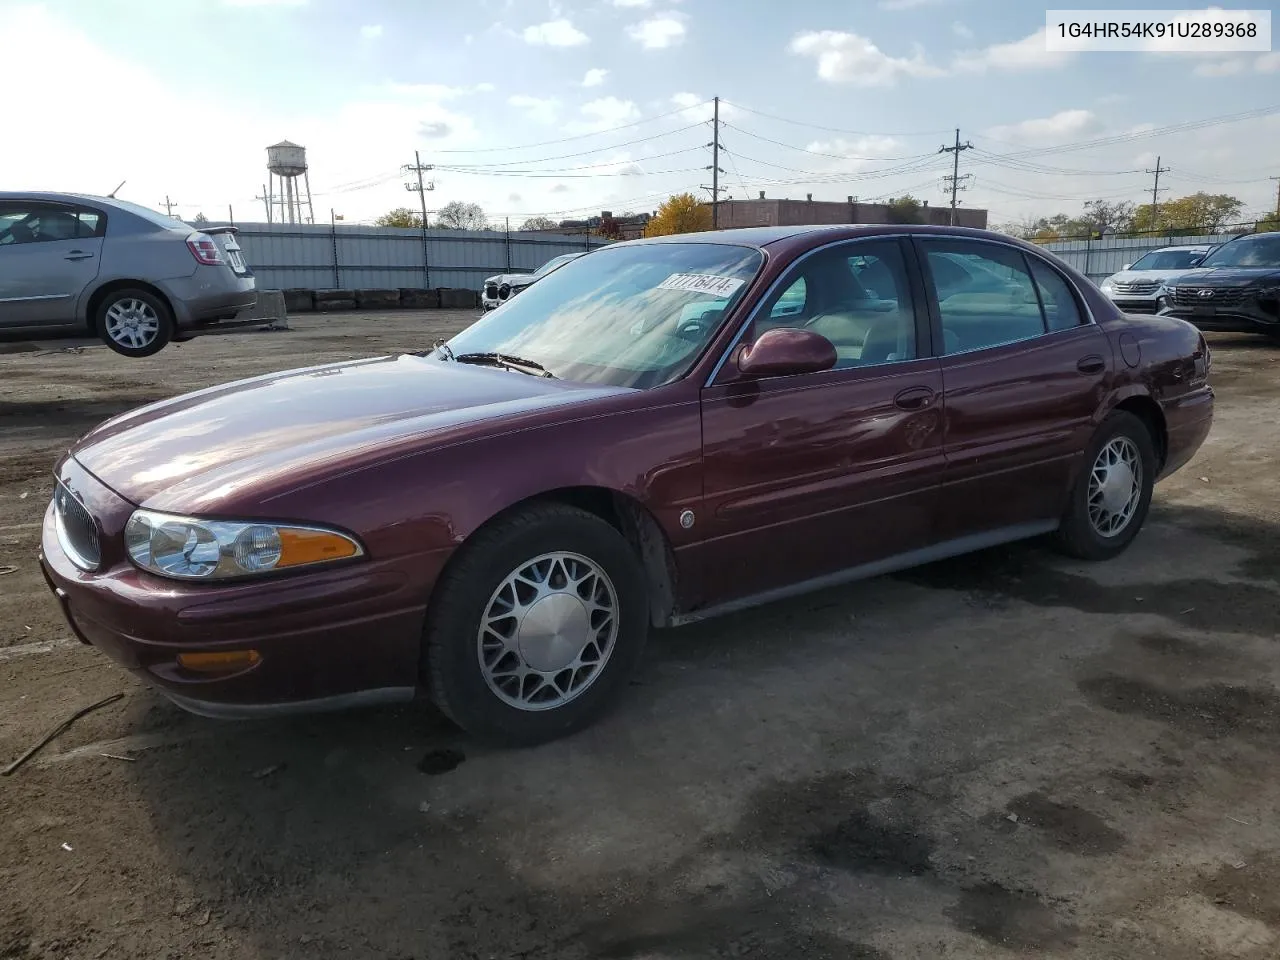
(1061, 312)
(92, 224)
(986, 296)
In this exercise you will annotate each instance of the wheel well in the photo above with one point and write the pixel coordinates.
(95, 301)
(1149, 412)
(634, 521)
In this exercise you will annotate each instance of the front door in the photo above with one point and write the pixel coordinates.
(1024, 373)
(49, 254)
(811, 474)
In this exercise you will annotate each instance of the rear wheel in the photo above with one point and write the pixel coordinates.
(536, 628)
(1113, 493)
(134, 322)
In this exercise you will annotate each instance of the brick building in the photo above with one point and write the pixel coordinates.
(793, 213)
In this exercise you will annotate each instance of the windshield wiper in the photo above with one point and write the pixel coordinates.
(519, 364)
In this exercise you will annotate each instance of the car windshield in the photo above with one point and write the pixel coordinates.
(1167, 260)
(151, 216)
(553, 263)
(1250, 252)
(626, 316)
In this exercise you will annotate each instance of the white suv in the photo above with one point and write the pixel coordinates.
(1134, 288)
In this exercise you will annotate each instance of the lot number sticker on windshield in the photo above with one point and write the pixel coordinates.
(701, 283)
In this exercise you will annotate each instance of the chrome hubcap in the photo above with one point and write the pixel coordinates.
(547, 631)
(132, 323)
(1115, 487)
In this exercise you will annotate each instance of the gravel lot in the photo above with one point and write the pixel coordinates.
(1005, 755)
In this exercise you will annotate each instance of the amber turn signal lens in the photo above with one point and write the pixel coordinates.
(221, 661)
(312, 546)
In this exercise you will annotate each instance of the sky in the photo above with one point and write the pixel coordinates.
(565, 108)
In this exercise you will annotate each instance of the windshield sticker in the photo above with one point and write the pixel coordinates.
(701, 283)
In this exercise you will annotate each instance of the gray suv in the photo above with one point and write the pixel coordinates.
(134, 277)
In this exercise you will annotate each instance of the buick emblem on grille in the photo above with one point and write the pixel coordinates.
(1204, 294)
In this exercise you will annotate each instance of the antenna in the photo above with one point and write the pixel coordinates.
(112, 194)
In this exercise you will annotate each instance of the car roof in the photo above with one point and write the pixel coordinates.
(50, 197)
(1177, 249)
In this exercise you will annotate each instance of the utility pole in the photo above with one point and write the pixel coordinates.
(421, 188)
(1277, 180)
(955, 177)
(266, 201)
(715, 165)
(168, 206)
(1155, 194)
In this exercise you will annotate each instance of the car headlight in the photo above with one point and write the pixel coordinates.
(1107, 286)
(187, 548)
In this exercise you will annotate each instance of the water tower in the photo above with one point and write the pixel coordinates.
(286, 162)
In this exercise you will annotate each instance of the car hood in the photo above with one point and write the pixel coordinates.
(1133, 276)
(198, 452)
(1230, 276)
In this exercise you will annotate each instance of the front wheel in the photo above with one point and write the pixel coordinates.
(537, 626)
(1113, 493)
(134, 323)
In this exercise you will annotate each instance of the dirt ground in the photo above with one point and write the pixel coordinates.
(1005, 755)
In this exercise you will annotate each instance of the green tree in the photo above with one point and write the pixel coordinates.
(681, 213)
(905, 209)
(399, 217)
(1103, 217)
(539, 223)
(200, 219)
(1198, 213)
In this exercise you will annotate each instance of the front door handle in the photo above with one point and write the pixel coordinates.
(1091, 364)
(78, 255)
(913, 398)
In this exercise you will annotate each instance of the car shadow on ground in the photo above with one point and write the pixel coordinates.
(388, 833)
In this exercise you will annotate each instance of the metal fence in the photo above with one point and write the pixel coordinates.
(1098, 259)
(322, 256)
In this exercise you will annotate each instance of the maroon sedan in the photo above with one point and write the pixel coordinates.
(658, 432)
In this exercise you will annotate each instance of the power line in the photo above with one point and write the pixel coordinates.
(581, 136)
(1155, 191)
(582, 153)
(421, 188)
(816, 153)
(578, 169)
(815, 126)
(955, 177)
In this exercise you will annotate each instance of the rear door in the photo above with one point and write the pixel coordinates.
(811, 474)
(49, 254)
(1024, 371)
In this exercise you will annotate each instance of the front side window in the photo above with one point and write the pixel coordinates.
(856, 295)
(1249, 252)
(626, 316)
(998, 305)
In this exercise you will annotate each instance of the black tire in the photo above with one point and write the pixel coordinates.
(451, 660)
(163, 319)
(1077, 536)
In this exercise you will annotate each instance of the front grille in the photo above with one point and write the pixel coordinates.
(504, 291)
(1140, 288)
(1218, 296)
(491, 291)
(77, 531)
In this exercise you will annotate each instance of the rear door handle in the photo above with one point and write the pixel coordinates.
(1091, 364)
(913, 398)
(78, 255)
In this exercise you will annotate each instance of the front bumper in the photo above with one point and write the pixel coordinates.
(1132, 304)
(1251, 315)
(327, 639)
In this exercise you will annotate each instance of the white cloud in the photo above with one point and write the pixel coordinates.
(962, 30)
(371, 31)
(1268, 62)
(631, 3)
(560, 188)
(658, 33)
(1029, 53)
(1219, 68)
(555, 33)
(858, 154)
(908, 4)
(514, 198)
(605, 113)
(538, 109)
(265, 3)
(698, 109)
(850, 58)
(1064, 125)
(594, 77)
(434, 91)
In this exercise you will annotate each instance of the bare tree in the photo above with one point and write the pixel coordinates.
(539, 223)
(457, 215)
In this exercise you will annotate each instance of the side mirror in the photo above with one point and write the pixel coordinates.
(1126, 266)
(1195, 262)
(786, 351)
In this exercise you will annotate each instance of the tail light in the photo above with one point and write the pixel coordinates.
(204, 249)
(1202, 360)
